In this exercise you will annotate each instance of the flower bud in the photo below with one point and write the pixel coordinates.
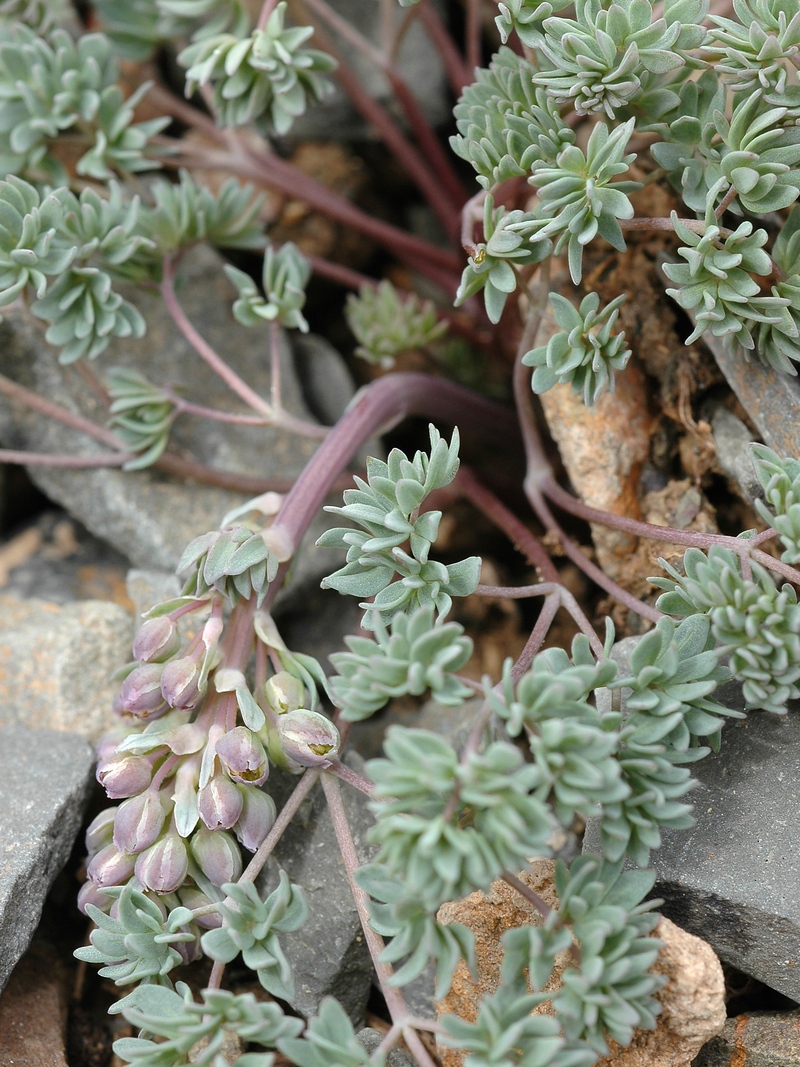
(243, 757)
(255, 822)
(304, 739)
(217, 855)
(110, 867)
(138, 822)
(140, 694)
(192, 897)
(100, 831)
(284, 692)
(124, 776)
(179, 682)
(220, 803)
(164, 866)
(156, 641)
(106, 747)
(91, 893)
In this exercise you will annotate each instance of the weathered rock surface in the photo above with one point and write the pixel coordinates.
(33, 1011)
(734, 878)
(146, 515)
(57, 663)
(759, 1039)
(732, 440)
(328, 955)
(692, 1001)
(371, 1038)
(45, 778)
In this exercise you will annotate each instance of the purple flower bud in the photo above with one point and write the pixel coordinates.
(90, 893)
(217, 855)
(243, 756)
(138, 822)
(100, 831)
(284, 692)
(220, 803)
(179, 682)
(106, 747)
(192, 897)
(164, 866)
(110, 867)
(307, 739)
(255, 822)
(124, 776)
(156, 641)
(140, 694)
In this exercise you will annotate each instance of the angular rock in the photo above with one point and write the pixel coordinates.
(692, 1001)
(33, 1011)
(758, 1039)
(57, 663)
(328, 955)
(45, 777)
(146, 515)
(732, 440)
(371, 1039)
(734, 877)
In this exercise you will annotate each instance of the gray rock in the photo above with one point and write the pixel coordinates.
(734, 877)
(758, 1039)
(328, 955)
(732, 440)
(57, 663)
(371, 1039)
(146, 588)
(418, 61)
(146, 515)
(45, 778)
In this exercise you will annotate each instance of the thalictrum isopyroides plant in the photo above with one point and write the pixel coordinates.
(591, 103)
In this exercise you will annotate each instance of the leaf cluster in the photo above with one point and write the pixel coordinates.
(141, 415)
(234, 561)
(284, 277)
(386, 324)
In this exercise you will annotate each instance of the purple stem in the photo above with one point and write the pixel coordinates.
(287, 813)
(45, 459)
(347, 774)
(458, 70)
(531, 895)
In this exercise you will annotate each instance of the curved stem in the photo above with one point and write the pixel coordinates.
(45, 459)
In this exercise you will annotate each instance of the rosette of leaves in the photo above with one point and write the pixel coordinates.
(509, 239)
(251, 927)
(577, 196)
(673, 672)
(604, 58)
(691, 149)
(555, 685)
(611, 993)
(234, 561)
(756, 53)
(415, 654)
(183, 1022)
(138, 27)
(138, 944)
(284, 277)
(781, 505)
(716, 280)
(778, 344)
(141, 415)
(585, 352)
(505, 123)
(184, 212)
(760, 155)
(443, 850)
(386, 324)
(39, 15)
(753, 622)
(525, 17)
(387, 508)
(51, 85)
(329, 1039)
(267, 76)
(32, 247)
(416, 934)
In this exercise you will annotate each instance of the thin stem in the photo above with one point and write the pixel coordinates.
(538, 634)
(495, 510)
(186, 407)
(429, 180)
(45, 459)
(516, 592)
(347, 774)
(723, 205)
(217, 971)
(287, 813)
(537, 467)
(578, 615)
(695, 225)
(579, 557)
(51, 410)
(471, 213)
(395, 1001)
(458, 71)
(530, 895)
(472, 33)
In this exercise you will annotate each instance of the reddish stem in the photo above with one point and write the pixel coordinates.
(45, 459)
(459, 72)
